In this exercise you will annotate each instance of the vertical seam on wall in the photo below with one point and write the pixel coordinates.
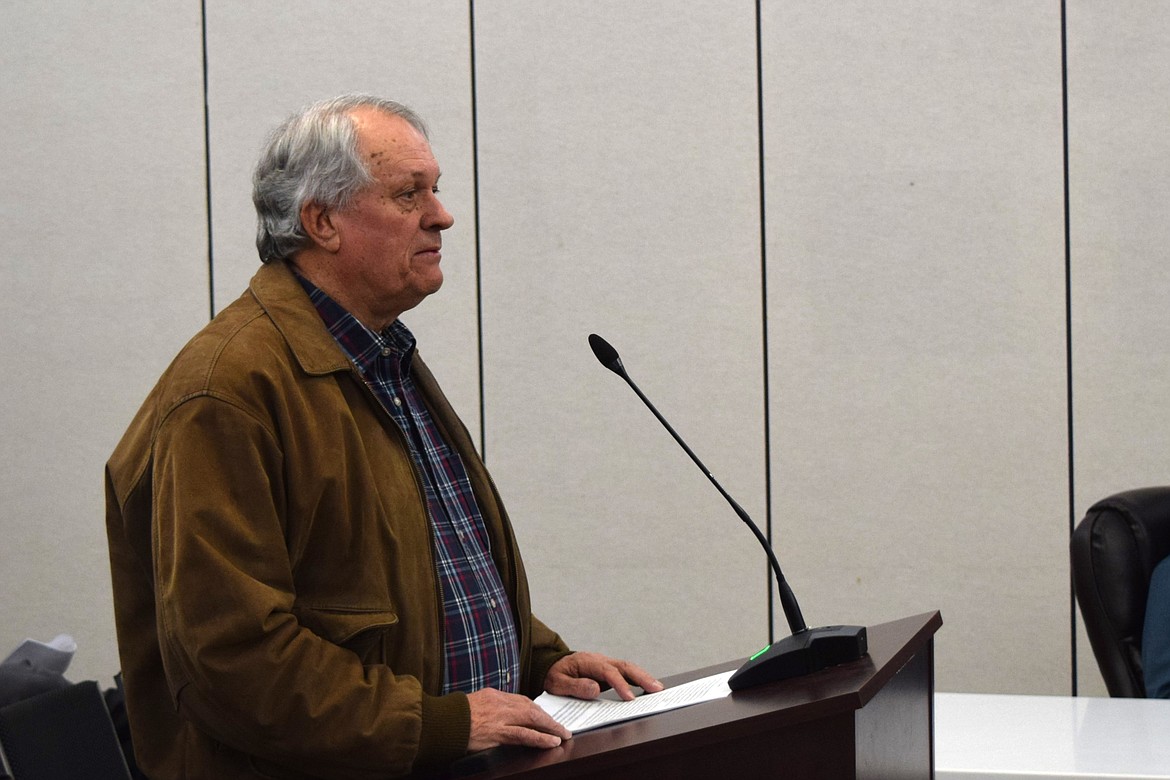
(207, 167)
(475, 232)
(764, 313)
(1068, 336)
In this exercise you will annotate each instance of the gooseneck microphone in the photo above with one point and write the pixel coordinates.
(807, 650)
(609, 358)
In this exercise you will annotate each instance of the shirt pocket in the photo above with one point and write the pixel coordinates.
(361, 630)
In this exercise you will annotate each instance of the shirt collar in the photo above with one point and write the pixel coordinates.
(363, 346)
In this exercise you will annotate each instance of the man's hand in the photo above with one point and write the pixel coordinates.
(581, 674)
(499, 718)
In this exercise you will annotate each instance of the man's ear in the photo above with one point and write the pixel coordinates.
(317, 222)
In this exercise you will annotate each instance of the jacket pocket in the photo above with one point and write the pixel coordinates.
(360, 630)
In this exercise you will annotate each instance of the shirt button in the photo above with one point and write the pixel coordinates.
(397, 401)
(385, 351)
(508, 676)
(493, 603)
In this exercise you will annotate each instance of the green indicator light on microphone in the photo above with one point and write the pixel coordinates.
(757, 655)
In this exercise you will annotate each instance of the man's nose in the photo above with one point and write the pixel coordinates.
(438, 218)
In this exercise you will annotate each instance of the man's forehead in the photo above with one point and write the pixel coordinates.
(390, 144)
(375, 126)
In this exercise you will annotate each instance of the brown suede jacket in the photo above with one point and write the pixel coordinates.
(276, 598)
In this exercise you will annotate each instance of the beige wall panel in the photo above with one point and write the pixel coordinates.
(104, 275)
(267, 59)
(619, 196)
(916, 325)
(1119, 174)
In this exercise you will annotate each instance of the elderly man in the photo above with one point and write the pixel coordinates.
(314, 575)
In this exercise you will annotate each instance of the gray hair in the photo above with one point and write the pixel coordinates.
(312, 157)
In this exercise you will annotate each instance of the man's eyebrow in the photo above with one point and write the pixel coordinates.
(425, 175)
(415, 178)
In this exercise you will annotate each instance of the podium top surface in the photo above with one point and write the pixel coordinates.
(836, 690)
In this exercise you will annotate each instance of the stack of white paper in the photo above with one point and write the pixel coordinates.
(581, 715)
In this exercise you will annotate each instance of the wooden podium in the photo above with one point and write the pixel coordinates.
(871, 718)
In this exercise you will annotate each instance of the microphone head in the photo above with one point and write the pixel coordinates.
(606, 354)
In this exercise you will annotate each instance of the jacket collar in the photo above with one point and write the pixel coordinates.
(286, 303)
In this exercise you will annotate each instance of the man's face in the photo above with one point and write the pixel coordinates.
(391, 231)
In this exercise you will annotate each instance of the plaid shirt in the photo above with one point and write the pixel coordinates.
(480, 641)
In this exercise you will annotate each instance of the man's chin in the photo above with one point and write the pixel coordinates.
(424, 291)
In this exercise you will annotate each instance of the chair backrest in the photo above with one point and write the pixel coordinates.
(62, 734)
(1114, 550)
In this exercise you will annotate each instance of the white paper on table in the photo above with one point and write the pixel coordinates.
(581, 715)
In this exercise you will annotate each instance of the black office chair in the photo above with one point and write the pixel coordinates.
(1114, 551)
(65, 733)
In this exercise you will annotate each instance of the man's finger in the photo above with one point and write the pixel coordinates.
(617, 680)
(641, 677)
(526, 737)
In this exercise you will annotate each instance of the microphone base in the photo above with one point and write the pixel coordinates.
(809, 651)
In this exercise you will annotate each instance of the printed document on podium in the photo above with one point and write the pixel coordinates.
(581, 715)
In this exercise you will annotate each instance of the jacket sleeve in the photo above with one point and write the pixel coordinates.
(238, 662)
(547, 649)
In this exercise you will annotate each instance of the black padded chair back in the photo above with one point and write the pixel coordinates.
(65, 733)
(1114, 551)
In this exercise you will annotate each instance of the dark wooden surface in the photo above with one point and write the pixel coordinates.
(868, 718)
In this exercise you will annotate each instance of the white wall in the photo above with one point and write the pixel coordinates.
(1119, 167)
(886, 341)
(916, 280)
(613, 204)
(104, 275)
